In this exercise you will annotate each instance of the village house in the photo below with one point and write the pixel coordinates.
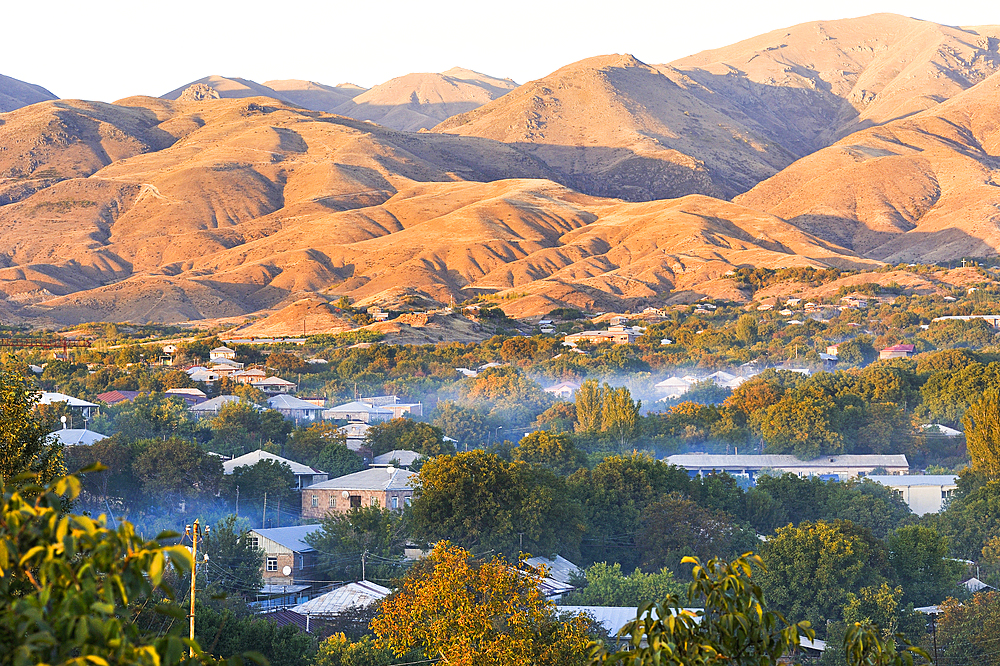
(896, 351)
(355, 432)
(249, 376)
(274, 385)
(77, 436)
(358, 411)
(294, 409)
(190, 396)
(76, 405)
(840, 467)
(116, 396)
(360, 594)
(563, 390)
(923, 493)
(287, 556)
(304, 474)
(991, 319)
(624, 336)
(222, 353)
(377, 486)
(395, 405)
(672, 388)
(210, 408)
(396, 458)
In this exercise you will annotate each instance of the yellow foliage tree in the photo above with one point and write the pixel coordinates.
(492, 614)
(982, 434)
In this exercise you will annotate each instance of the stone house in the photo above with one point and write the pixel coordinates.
(378, 486)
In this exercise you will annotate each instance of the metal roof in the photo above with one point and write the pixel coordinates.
(48, 398)
(720, 461)
(914, 479)
(359, 407)
(405, 458)
(254, 457)
(559, 569)
(215, 404)
(291, 402)
(362, 593)
(374, 478)
(77, 436)
(292, 538)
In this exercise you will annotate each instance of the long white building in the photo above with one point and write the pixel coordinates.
(749, 466)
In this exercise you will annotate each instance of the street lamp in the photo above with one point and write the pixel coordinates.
(497, 435)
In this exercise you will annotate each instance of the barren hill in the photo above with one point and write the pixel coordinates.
(614, 126)
(923, 188)
(811, 84)
(14, 94)
(421, 101)
(315, 96)
(228, 88)
(720, 121)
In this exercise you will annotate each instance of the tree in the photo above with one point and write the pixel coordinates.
(466, 425)
(804, 423)
(225, 634)
(967, 630)
(560, 417)
(25, 445)
(241, 427)
(620, 416)
(735, 627)
(338, 460)
(676, 527)
(746, 329)
(982, 434)
(67, 583)
(478, 500)
(486, 614)
(883, 606)
(305, 444)
(856, 352)
(344, 539)
(919, 558)
(150, 416)
(337, 650)
(557, 452)
(812, 568)
(234, 562)
(176, 470)
(590, 407)
(271, 477)
(404, 434)
(606, 585)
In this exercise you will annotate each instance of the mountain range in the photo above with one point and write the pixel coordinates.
(610, 183)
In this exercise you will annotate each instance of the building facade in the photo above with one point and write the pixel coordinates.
(378, 486)
(285, 547)
(923, 493)
(828, 467)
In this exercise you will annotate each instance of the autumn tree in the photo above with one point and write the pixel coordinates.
(25, 445)
(590, 406)
(469, 613)
(804, 422)
(982, 434)
(554, 451)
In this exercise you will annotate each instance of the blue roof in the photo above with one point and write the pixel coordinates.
(292, 538)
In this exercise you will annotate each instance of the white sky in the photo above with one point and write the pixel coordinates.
(109, 49)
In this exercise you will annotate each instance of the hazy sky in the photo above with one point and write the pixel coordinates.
(109, 49)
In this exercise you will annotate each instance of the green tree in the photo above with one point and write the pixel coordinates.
(746, 329)
(590, 407)
(803, 423)
(982, 434)
(557, 452)
(337, 650)
(151, 415)
(919, 558)
(478, 500)
(338, 460)
(306, 444)
(735, 628)
(812, 568)
(25, 445)
(404, 434)
(225, 634)
(620, 416)
(466, 425)
(273, 477)
(68, 584)
(175, 470)
(379, 535)
(607, 585)
(234, 562)
(560, 417)
(883, 606)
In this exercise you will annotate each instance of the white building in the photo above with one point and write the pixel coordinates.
(831, 467)
(77, 436)
(923, 493)
(673, 387)
(564, 390)
(220, 353)
(358, 411)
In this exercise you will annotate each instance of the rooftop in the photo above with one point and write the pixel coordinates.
(290, 402)
(375, 478)
(254, 457)
(405, 458)
(721, 461)
(357, 406)
(215, 404)
(292, 538)
(48, 398)
(914, 479)
(362, 593)
(77, 436)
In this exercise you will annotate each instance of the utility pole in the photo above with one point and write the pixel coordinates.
(364, 555)
(194, 532)
(263, 517)
(279, 510)
(237, 501)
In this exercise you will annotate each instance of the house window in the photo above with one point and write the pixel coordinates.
(395, 502)
(333, 502)
(272, 564)
(374, 501)
(947, 494)
(315, 501)
(406, 501)
(254, 541)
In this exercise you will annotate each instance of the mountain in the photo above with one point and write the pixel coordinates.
(160, 210)
(614, 126)
(811, 84)
(721, 121)
(228, 88)
(312, 95)
(923, 188)
(14, 94)
(421, 101)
